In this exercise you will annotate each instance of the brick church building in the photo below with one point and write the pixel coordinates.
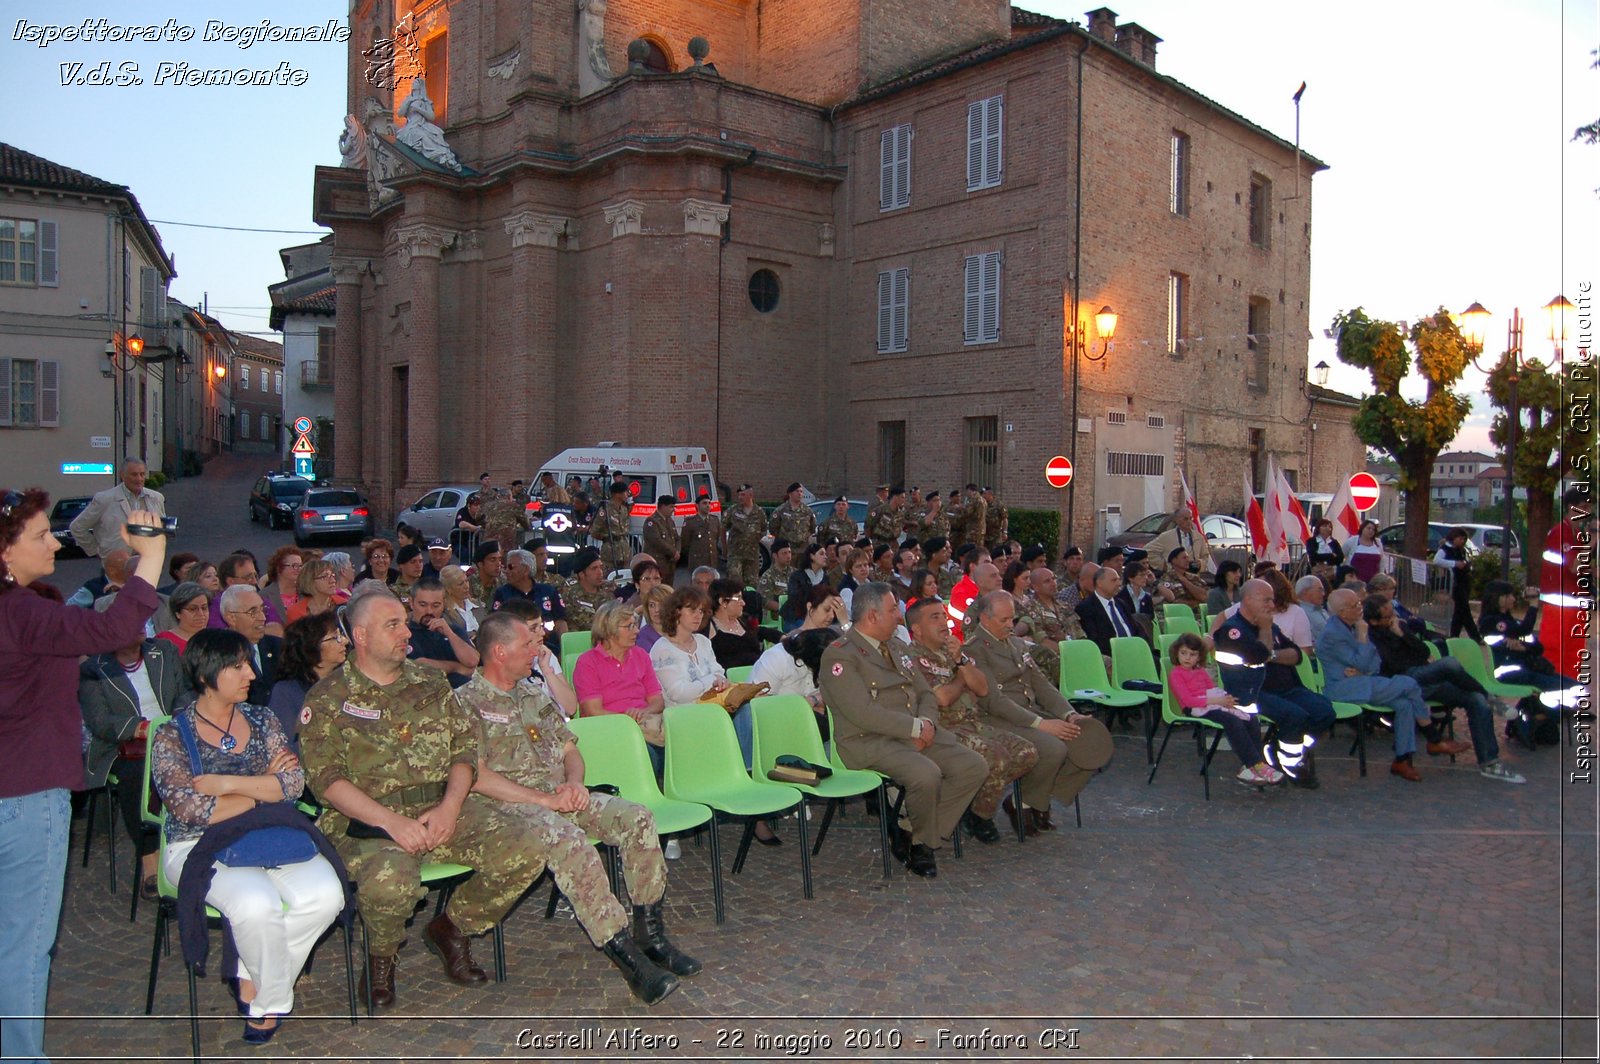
(839, 241)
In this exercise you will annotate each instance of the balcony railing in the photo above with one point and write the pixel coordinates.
(316, 375)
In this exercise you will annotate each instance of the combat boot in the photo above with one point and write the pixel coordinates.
(649, 983)
(650, 934)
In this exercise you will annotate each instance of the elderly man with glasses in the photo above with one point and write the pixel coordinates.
(244, 611)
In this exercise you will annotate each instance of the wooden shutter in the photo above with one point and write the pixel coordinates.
(989, 323)
(975, 145)
(899, 304)
(974, 295)
(149, 288)
(902, 166)
(885, 311)
(5, 391)
(886, 170)
(993, 118)
(49, 394)
(49, 256)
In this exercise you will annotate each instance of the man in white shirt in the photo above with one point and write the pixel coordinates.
(98, 528)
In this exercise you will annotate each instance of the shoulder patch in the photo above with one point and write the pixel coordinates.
(305, 714)
(838, 668)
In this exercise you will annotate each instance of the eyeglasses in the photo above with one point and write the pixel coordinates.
(336, 637)
(200, 606)
(253, 611)
(377, 557)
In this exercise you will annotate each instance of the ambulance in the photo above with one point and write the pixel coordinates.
(649, 472)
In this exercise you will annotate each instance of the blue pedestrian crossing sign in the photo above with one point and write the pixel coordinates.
(303, 466)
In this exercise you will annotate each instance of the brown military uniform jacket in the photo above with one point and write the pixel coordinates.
(870, 698)
(702, 541)
(661, 542)
(939, 668)
(1014, 674)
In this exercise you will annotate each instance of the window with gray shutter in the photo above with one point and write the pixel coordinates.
(894, 287)
(981, 316)
(985, 122)
(49, 255)
(5, 392)
(149, 291)
(894, 168)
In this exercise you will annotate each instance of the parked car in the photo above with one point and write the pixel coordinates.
(1479, 538)
(1222, 531)
(274, 497)
(325, 513)
(823, 508)
(435, 513)
(62, 515)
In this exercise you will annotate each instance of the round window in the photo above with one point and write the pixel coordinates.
(764, 291)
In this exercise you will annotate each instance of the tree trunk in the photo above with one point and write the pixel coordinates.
(1421, 480)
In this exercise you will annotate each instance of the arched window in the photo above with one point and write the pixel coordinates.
(657, 62)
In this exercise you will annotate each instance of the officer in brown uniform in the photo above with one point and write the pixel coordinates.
(746, 525)
(1071, 745)
(702, 536)
(661, 539)
(612, 528)
(839, 524)
(884, 713)
(794, 520)
(959, 684)
(393, 762)
(529, 767)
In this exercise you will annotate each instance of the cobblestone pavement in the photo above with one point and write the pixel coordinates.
(1452, 919)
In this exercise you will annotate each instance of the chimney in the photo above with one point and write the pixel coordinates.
(1136, 42)
(1103, 24)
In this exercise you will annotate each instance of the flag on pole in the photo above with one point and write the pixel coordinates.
(1254, 520)
(1277, 537)
(1188, 499)
(1342, 512)
(1295, 525)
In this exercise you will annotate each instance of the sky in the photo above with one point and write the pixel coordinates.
(1446, 125)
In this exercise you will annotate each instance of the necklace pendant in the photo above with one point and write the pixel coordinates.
(228, 743)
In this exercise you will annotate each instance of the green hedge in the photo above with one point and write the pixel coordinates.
(155, 480)
(1036, 526)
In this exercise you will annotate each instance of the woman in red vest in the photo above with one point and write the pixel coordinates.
(1566, 592)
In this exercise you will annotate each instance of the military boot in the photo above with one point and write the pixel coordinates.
(651, 936)
(649, 983)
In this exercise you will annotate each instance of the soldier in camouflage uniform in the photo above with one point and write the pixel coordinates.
(937, 654)
(702, 537)
(880, 499)
(661, 539)
(1039, 620)
(885, 530)
(586, 592)
(529, 767)
(973, 517)
(746, 525)
(384, 748)
(995, 519)
(504, 519)
(794, 520)
(839, 524)
(613, 529)
(487, 571)
(775, 581)
(934, 522)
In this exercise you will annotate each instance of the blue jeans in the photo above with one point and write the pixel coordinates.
(744, 727)
(1295, 711)
(1448, 681)
(33, 869)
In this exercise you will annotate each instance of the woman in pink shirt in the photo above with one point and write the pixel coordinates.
(615, 676)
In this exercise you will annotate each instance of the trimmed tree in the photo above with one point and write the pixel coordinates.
(1546, 438)
(1412, 433)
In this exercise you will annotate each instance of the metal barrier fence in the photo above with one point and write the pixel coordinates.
(1422, 587)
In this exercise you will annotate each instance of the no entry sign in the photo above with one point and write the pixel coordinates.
(1058, 472)
(1363, 492)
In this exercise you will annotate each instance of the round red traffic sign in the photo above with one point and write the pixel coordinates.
(1058, 472)
(1363, 492)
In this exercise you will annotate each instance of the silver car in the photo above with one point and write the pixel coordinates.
(434, 515)
(325, 513)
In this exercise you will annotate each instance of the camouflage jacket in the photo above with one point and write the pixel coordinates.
(521, 734)
(745, 529)
(797, 524)
(938, 667)
(774, 582)
(581, 605)
(994, 522)
(886, 529)
(842, 527)
(931, 525)
(382, 739)
(611, 523)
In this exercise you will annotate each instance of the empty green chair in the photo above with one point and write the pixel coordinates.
(704, 765)
(1181, 621)
(1083, 677)
(572, 645)
(786, 724)
(614, 753)
(1171, 611)
(1131, 660)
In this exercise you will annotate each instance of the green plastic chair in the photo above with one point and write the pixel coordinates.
(1310, 670)
(786, 724)
(740, 674)
(1131, 660)
(572, 645)
(614, 753)
(167, 910)
(1173, 716)
(149, 823)
(1471, 655)
(1181, 621)
(1083, 677)
(704, 765)
(1178, 611)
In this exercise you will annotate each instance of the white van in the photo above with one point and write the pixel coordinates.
(650, 472)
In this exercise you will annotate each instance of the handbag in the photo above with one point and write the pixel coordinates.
(735, 695)
(262, 847)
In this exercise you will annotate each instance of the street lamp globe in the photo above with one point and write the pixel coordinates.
(1319, 373)
(1556, 312)
(1475, 326)
(1105, 323)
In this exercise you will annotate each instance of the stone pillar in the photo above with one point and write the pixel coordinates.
(420, 248)
(526, 359)
(347, 387)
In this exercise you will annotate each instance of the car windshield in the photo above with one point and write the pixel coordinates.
(289, 489)
(333, 498)
(70, 508)
(1151, 524)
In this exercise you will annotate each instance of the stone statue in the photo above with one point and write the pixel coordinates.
(353, 145)
(419, 133)
(594, 72)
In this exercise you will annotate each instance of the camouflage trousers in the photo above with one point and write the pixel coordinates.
(744, 568)
(1047, 655)
(563, 841)
(1008, 757)
(500, 849)
(616, 554)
